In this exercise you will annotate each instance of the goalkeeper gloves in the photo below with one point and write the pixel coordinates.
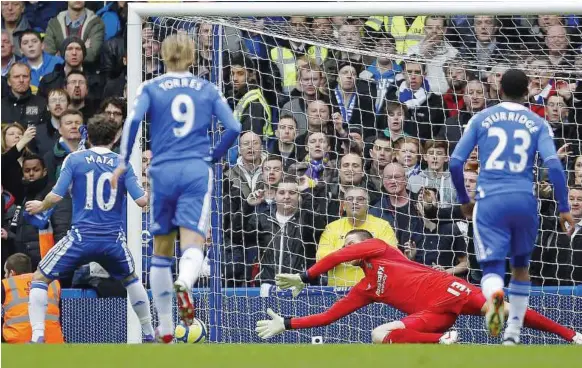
(270, 327)
(290, 281)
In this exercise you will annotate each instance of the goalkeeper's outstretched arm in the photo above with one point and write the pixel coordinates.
(363, 250)
(277, 325)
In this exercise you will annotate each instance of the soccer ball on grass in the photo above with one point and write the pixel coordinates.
(193, 334)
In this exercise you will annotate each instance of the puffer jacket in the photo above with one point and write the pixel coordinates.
(289, 248)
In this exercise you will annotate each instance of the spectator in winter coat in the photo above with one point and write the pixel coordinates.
(425, 107)
(20, 105)
(287, 236)
(74, 51)
(309, 82)
(14, 22)
(398, 208)
(76, 21)
(41, 62)
(47, 133)
(442, 246)
(473, 102)
(285, 146)
(77, 88)
(36, 187)
(71, 120)
(385, 72)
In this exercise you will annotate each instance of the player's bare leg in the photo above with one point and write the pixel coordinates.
(519, 300)
(537, 321)
(397, 333)
(161, 282)
(140, 304)
(37, 305)
(192, 245)
(492, 287)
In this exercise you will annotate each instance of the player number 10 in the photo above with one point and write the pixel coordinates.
(103, 206)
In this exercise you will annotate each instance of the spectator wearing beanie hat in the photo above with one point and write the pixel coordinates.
(74, 51)
(80, 22)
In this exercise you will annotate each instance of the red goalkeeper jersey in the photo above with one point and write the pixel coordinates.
(392, 279)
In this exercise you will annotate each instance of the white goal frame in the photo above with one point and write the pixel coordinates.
(278, 8)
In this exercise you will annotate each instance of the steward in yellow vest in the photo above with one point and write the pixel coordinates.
(251, 107)
(16, 328)
(405, 30)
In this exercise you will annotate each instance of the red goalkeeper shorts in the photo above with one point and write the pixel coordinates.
(442, 318)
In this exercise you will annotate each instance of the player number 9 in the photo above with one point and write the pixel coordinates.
(186, 117)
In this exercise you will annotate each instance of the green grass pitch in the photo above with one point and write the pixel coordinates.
(292, 356)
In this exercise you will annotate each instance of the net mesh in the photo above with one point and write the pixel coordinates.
(380, 89)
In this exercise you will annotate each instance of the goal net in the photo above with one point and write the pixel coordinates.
(332, 101)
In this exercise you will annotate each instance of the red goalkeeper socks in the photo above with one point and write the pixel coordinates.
(538, 322)
(407, 336)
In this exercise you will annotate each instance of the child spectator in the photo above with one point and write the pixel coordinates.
(41, 62)
(435, 175)
(408, 152)
(396, 116)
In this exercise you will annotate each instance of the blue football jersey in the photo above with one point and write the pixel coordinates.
(180, 107)
(508, 137)
(97, 209)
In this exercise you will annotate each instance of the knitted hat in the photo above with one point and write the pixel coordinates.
(70, 40)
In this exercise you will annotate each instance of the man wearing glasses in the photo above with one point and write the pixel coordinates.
(356, 207)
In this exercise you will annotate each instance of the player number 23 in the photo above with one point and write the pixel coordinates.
(183, 112)
(521, 141)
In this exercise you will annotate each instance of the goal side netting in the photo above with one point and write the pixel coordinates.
(332, 101)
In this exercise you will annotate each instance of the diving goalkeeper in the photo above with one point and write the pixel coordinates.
(432, 299)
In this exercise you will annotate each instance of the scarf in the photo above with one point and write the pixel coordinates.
(345, 111)
(84, 134)
(413, 99)
(383, 81)
(315, 168)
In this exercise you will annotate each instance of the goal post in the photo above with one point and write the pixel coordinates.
(225, 305)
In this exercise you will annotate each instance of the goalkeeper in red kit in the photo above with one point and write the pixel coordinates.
(432, 299)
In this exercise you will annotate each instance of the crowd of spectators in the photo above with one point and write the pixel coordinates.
(332, 139)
